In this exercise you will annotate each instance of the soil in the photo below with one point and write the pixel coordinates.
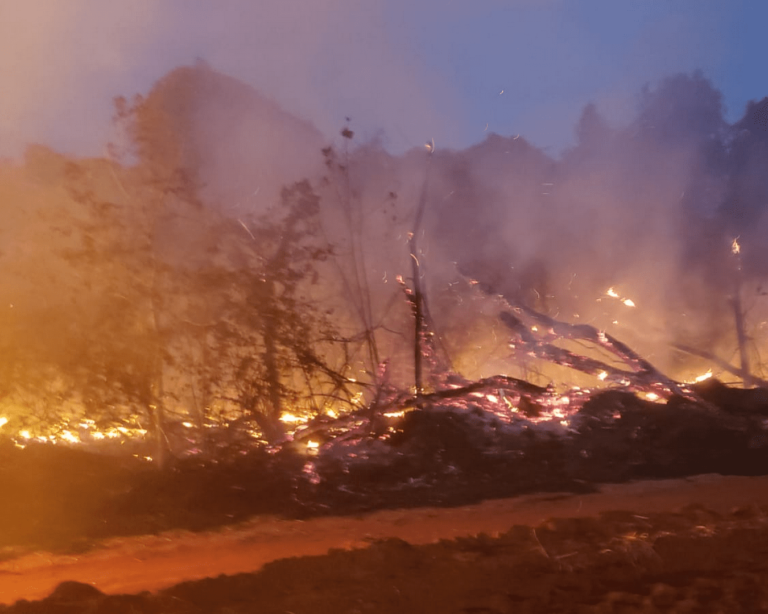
(621, 549)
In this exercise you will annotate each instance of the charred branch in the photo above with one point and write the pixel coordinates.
(641, 376)
(516, 387)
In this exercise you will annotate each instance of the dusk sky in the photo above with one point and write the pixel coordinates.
(404, 70)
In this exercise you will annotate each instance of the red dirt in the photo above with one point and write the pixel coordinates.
(154, 562)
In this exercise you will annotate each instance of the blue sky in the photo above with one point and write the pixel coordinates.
(403, 70)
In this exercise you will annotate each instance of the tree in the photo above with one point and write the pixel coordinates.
(195, 303)
(682, 109)
(269, 334)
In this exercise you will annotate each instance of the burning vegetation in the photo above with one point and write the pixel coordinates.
(179, 298)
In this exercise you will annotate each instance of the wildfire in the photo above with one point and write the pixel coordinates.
(652, 396)
(70, 437)
(290, 418)
(703, 377)
(613, 294)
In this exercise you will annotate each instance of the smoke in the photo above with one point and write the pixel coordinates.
(645, 199)
(404, 72)
(648, 210)
(63, 63)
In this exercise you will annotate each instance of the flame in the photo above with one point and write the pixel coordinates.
(613, 294)
(69, 436)
(25, 434)
(313, 445)
(602, 375)
(290, 418)
(735, 247)
(703, 377)
(3, 421)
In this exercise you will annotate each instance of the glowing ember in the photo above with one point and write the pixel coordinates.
(612, 293)
(394, 414)
(492, 398)
(628, 302)
(313, 445)
(25, 435)
(602, 375)
(651, 396)
(510, 404)
(3, 421)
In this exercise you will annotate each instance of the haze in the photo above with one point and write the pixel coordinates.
(405, 72)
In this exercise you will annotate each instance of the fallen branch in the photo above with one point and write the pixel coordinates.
(517, 387)
(642, 376)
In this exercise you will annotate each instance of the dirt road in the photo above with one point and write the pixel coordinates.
(152, 562)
